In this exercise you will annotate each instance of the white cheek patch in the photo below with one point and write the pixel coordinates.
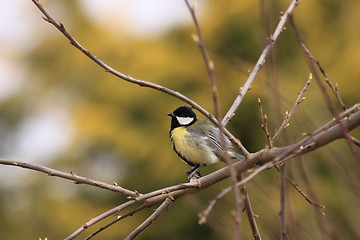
(184, 120)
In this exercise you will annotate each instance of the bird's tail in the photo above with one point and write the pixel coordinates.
(236, 155)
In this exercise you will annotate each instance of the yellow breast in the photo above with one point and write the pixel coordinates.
(178, 137)
(190, 148)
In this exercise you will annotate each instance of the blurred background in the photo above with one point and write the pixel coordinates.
(60, 110)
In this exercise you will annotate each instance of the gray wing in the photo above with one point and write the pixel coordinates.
(215, 141)
(210, 135)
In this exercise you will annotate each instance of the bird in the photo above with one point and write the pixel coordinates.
(197, 141)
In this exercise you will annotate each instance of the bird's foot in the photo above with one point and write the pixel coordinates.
(194, 174)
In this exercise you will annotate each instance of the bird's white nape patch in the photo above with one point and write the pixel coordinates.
(184, 120)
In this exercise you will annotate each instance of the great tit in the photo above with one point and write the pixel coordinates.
(197, 141)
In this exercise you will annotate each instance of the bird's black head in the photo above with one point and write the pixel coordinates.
(182, 116)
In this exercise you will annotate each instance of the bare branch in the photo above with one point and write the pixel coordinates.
(251, 216)
(282, 212)
(102, 216)
(116, 220)
(264, 125)
(355, 141)
(318, 206)
(321, 220)
(243, 90)
(334, 89)
(199, 40)
(70, 176)
(142, 197)
(299, 100)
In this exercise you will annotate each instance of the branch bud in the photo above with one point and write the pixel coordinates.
(211, 65)
(194, 6)
(195, 38)
(310, 76)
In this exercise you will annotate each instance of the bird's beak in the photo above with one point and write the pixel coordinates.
(170, 114)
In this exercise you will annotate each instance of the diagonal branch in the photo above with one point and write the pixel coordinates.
(199, 40)
(102, 216)
(243, 90)
(133, 80)
(299, 100)
(264, 125)
(132, 212)
(127, 204)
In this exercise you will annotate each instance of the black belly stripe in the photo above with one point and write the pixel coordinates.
(181, 156)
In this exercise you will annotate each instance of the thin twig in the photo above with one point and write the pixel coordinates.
(133, 200)
(316, 205)
(243, 90)
(320, 137)
(282, 213)
(199, 40)
(159, 211)
(115, 221)
(321, 220)
(70, 176)
(356, 141)
(299, 100)
(264, 125)
(102, 216)
(204, 214)
(334, 89)
(250, 214)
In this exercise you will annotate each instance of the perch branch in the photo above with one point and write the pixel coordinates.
(310, 201)
(264, 125)
(268, 157)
